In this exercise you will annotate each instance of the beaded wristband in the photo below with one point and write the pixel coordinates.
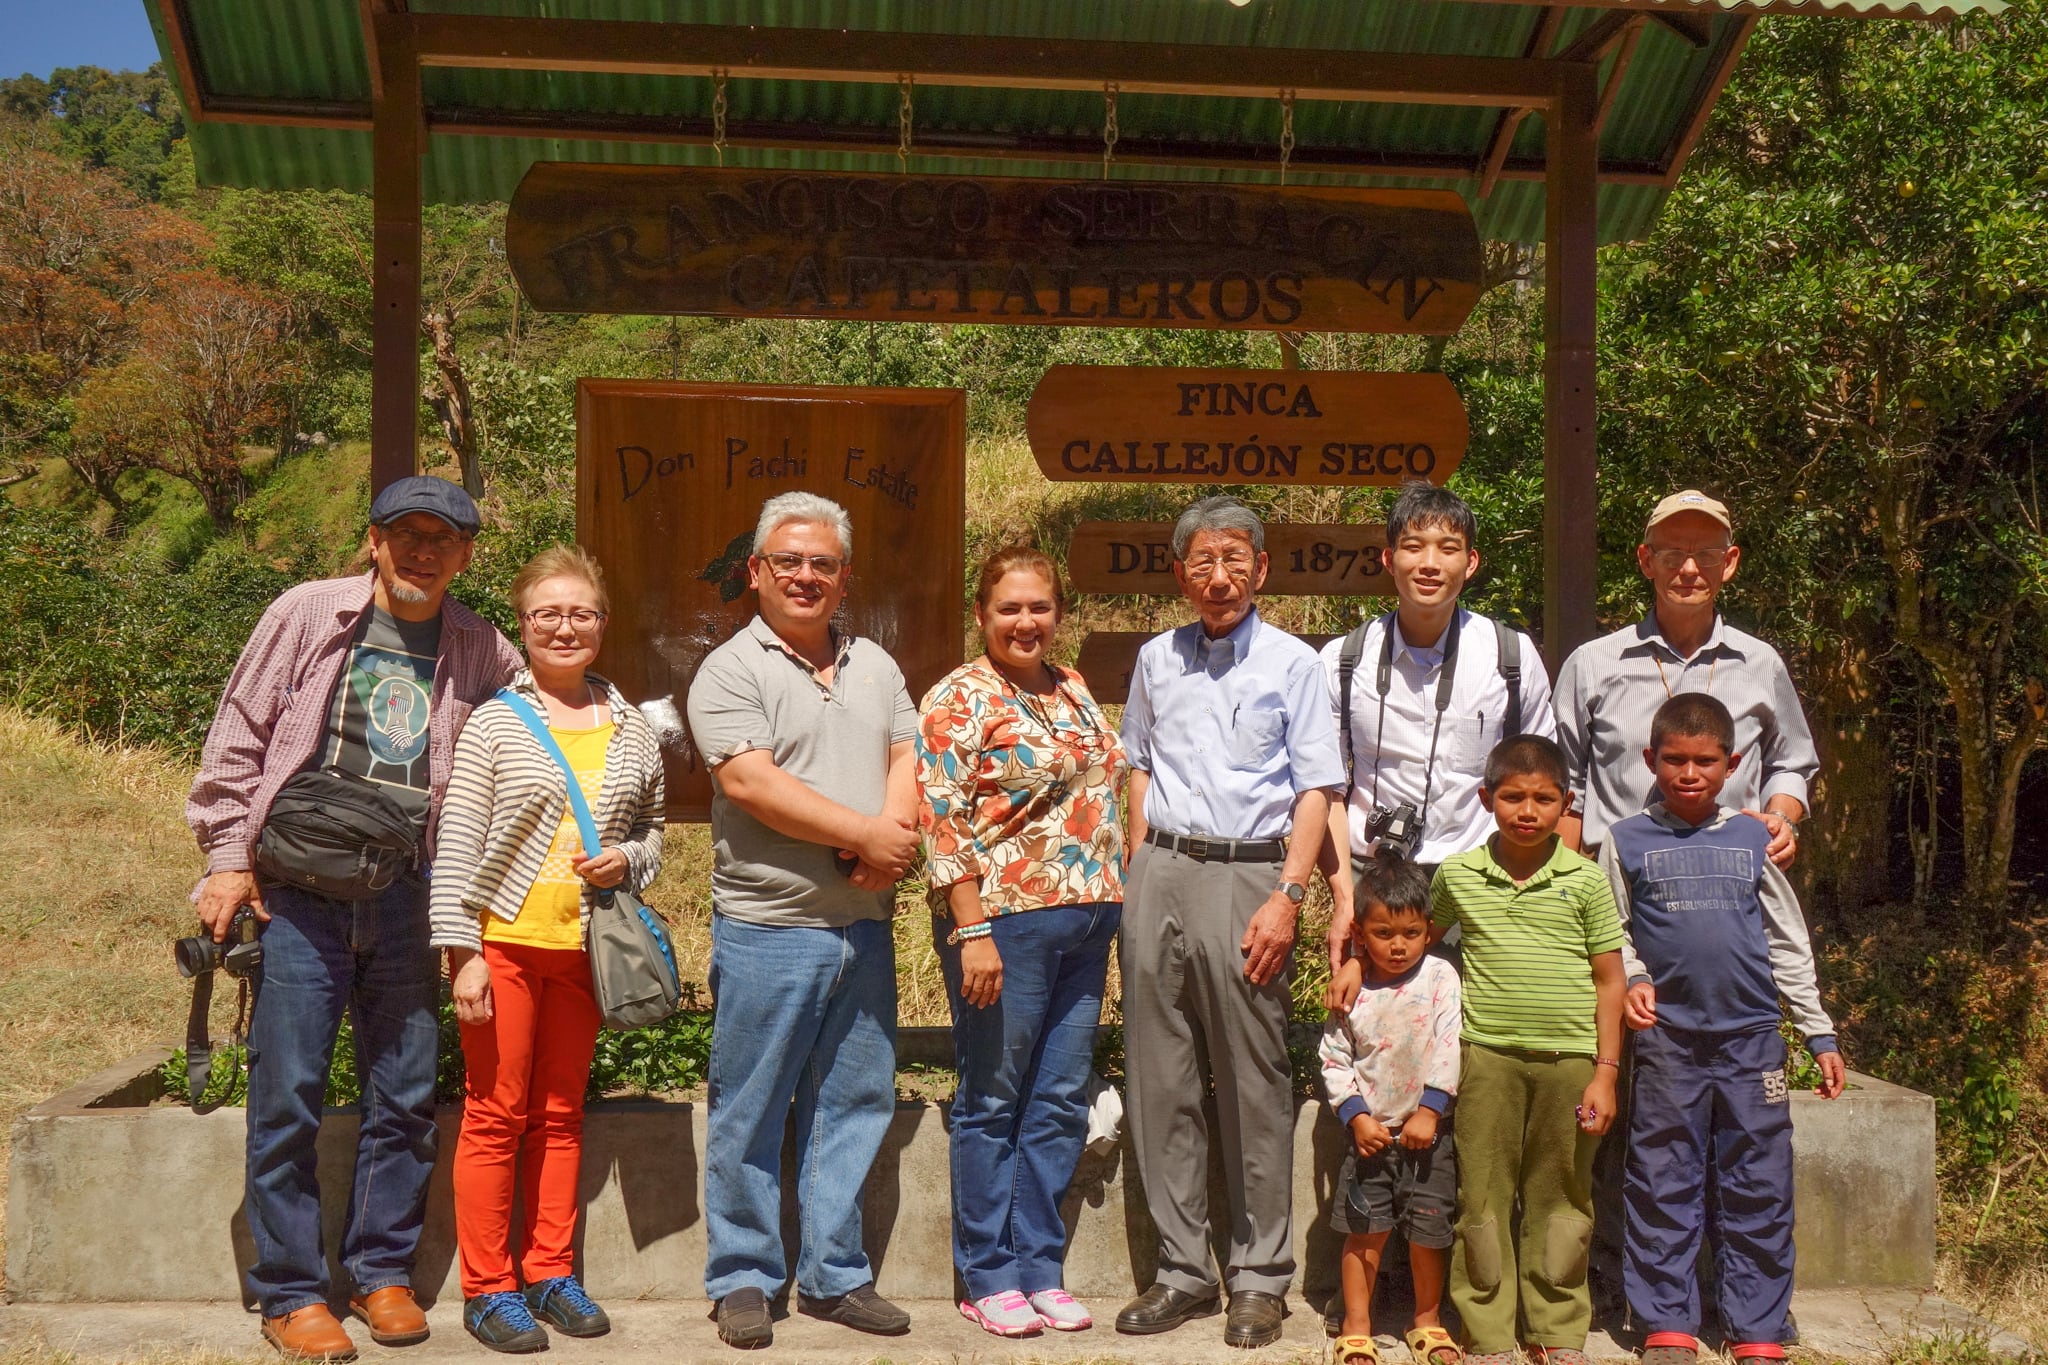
(983, 929)
(1607, 1061)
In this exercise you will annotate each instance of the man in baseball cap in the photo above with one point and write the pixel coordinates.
(1610, 688)
(371, 674)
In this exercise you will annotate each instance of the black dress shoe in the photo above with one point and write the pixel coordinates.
(1253, 1320)
(1161, 1309)
(861, 1309)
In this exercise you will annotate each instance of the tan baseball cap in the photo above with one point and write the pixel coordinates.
(1691, 500)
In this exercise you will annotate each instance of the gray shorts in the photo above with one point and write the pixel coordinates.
(1414, 1191)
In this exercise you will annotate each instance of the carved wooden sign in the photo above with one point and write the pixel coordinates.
(670, 478)
(922, 248)
(1302, 561)
(1146, 424)
(1108, 656)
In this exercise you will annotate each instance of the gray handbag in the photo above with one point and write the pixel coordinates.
(632, 959)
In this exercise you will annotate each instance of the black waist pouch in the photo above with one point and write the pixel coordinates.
(336, 833)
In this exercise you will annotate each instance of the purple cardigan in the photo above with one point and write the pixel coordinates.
(273, 715)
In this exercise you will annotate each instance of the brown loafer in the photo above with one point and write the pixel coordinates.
(395, 1317)
(309, 1333)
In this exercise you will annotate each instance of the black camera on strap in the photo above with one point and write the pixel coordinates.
(199, 957)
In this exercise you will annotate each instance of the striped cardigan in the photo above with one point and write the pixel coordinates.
(506, 797)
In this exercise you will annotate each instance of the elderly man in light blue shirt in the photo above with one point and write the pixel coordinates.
(1610, 688)
(1233, 755)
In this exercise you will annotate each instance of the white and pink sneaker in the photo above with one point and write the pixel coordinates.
(1005, 1314)
(1061, 1311)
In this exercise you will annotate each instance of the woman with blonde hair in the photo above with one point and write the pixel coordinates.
(512, 890)
(1021, 774)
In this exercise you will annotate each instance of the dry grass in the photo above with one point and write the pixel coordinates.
(2011, 1292)
(95, 865)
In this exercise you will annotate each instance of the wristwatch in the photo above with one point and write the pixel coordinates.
(1294, 891)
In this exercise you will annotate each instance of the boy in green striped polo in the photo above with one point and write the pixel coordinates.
(1542, 1035)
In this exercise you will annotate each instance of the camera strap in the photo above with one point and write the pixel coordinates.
(1446, 678)
(199, 1038)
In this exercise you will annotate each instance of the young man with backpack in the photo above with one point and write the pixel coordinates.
(1420, 696)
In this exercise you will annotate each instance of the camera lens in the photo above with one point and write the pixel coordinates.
(196, 955)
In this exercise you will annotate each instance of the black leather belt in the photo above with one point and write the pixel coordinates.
(1220, 850)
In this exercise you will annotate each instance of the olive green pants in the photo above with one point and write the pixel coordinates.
(1525, 1200)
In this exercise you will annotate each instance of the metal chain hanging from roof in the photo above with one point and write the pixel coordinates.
(1286, 131)
(1109, 133)
(718, 113)
(904, 113)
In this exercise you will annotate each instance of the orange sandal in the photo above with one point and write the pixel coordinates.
(1433, 1346)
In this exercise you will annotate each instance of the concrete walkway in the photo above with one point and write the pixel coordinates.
(1835, 1324)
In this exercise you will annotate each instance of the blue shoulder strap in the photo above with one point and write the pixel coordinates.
(578, 806)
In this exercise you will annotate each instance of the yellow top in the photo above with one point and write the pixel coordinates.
(551, 916)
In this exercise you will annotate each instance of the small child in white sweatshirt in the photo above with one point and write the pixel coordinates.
(1390, 1070)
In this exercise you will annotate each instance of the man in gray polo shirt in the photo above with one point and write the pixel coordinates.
(808, 732)
(1610, 688)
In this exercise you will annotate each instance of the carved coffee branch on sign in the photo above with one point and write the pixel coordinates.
(670, 479)
(916, 248)
(1301, 427)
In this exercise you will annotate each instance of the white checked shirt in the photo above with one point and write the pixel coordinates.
(1454, 821)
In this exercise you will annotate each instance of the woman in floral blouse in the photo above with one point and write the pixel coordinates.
(1024, 836)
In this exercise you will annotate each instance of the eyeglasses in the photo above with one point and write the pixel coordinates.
(1234, 566)
(1710, 558)
(583, 619)
(785, 564)
(440, 542)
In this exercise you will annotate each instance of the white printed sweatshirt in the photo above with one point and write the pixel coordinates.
(1397, 1049)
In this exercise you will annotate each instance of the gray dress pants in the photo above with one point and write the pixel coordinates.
(1190, 1016)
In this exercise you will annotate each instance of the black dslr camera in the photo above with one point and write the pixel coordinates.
(1398, 830)
(241, 956)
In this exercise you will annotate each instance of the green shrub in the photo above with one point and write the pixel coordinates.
(665, 1058)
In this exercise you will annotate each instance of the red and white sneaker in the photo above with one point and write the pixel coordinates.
(1061, 1311)
(1005, 1314)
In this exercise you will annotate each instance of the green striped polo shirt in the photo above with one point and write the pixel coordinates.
(1528, 978)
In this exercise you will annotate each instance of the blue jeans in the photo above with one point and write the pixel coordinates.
(803, 1015)
(1020, 1116)
(321, 957)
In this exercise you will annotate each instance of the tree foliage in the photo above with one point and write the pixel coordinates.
(1842, 323)
(78, 254)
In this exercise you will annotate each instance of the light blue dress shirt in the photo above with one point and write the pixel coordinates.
(1231, 730)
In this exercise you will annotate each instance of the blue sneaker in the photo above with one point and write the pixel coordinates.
(502, 1322)
(562, 1302)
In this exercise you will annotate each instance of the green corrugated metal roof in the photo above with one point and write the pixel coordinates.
(313, 50)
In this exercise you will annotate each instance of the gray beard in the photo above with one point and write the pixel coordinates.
(402, 591)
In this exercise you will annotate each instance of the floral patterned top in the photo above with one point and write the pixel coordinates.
(1021, 792)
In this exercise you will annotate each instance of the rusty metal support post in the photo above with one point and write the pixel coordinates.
(399, 139)
(1570, 403)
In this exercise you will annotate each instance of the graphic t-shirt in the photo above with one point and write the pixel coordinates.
(551, 916)
(377, 727)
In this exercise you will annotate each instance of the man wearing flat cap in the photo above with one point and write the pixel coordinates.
(1610, 688)
(341, 716)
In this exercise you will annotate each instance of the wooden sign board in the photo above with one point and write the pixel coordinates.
(1146, 424)
(670, 478)
(1108, 656)
(923, 248)
(1302, 561)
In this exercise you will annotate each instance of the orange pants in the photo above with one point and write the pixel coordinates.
(527, 1069)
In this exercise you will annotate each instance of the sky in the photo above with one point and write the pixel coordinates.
(38, 36)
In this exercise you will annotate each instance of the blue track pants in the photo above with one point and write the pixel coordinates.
(1710, 1102)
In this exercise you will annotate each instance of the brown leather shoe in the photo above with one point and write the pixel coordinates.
(309, 1333)
(395, 1317)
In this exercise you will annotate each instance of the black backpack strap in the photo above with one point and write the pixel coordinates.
(1509, 642)
(1347, 665)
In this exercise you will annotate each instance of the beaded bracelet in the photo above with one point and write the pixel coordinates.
(982, 929)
